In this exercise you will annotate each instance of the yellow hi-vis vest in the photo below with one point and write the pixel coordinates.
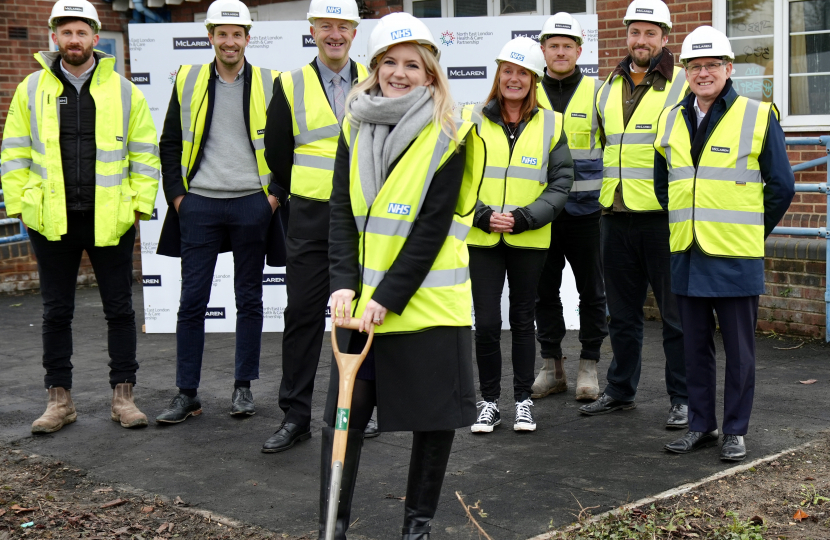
(316, 131)
(192, 89)
(127, 168)
(629, 149)
(720, 203)
(580, 125)
(514, 181)
(444, 296)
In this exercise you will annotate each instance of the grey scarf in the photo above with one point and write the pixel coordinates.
(377, 148)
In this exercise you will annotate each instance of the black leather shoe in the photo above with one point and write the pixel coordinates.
(606, 404)
(693, 440)
(286, 437)
(371, 430)
(242, 402)
(179, 409)
(678, 417)
(733, 448)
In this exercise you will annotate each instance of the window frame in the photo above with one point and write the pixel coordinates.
(542, 8)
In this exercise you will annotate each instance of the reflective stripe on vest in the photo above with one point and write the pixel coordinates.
(316, 131)
(192, 86)
(629, 149)
(720, 204)
(515, 180)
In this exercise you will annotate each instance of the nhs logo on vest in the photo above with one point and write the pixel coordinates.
(517, 56)
(215, 313)
(191, 43)
(529, 160)
(273, 279)
(399, 209)
(400, 34)
(332, 9)
(151, 281)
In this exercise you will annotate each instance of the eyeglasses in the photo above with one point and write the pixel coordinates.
(714, 66)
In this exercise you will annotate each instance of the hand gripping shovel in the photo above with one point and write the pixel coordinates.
(347, 366)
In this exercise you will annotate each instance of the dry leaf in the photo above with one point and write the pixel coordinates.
(800, 514)
(147, 509)
(179, 501)
(161, 528)
(809, 478)
(122, 530)
(170, 527)
(20, 510)
(113, 503)
(809, 381)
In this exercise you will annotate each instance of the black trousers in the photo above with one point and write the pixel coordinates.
(307, 288)
(737, 317)
(635, 254)
(57, 264)
(487, 269)
(576, 240)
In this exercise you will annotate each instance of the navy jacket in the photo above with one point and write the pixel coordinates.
(693, 273)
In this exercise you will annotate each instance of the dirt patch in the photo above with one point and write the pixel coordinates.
(42, 498)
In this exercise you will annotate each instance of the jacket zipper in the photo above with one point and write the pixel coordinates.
(78, 148)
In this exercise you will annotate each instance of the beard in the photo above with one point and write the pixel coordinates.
(75, 57)
(641, 62)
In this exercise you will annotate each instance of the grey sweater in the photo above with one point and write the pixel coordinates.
(228, 167)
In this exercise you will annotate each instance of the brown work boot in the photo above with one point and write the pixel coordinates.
(123, 408)
(551, 378)
(59, 411)
(587, 386)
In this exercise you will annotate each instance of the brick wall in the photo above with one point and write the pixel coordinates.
(185, 11)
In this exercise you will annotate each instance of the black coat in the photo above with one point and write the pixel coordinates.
(424, 380)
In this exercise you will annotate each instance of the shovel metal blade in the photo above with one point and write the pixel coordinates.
(334, 498)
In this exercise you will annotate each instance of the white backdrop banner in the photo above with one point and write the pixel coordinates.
(468, 49)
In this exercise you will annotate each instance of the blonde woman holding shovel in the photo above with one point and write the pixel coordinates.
(400, 210)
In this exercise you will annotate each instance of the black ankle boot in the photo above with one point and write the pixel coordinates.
(344, 509)
(430, 453)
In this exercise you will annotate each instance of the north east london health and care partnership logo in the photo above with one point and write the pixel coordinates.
(447, 38)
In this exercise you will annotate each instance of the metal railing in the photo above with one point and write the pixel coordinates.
(823, 232)
(19, 237)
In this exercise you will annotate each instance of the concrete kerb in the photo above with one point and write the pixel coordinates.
(679, 490)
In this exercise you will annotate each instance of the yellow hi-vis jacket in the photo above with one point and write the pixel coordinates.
(720, 203)
(514, 181)
(629, 149)
(192, 90)
(316, 131)
(127, 167)
(444, 297)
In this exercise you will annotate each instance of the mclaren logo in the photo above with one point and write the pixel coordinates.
(578, 115)
(476, 72)
(643, 126)
(720, 149)
(308, 41)
(73, 8)
(532, 34)
(561, 25)
(191, 43)
(151, 281)
(699, 46)
(215, 313)
(140, 78)
(645, 11)
(230, 14)
(273, 279)
(155, 214)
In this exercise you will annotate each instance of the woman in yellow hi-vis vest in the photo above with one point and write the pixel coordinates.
(526, 183)
(405, 181)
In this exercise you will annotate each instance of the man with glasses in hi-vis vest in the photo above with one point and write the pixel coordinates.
(216, 184)
(300, 143)
(721, 171)
(80, 168)
(635, 229)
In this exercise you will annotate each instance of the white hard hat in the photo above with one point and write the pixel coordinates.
(653, 11)
(401, 27)
(562, 24)
(334, 9)
(704, 42)
(524, 52)
(228, 12)
(81, 9)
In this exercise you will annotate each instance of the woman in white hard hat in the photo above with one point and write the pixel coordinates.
(526, 184)
(405, 181)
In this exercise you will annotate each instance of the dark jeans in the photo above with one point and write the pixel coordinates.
(205, 222)
(737, 317)
(487, 269)
(635, 253)
(57, 264)
(577, 240)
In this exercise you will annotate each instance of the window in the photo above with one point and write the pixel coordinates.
(782, 50)
(490, 8)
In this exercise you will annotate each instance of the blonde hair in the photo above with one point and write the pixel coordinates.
(440, 89)
(530, 102)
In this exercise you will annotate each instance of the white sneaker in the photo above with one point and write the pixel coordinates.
(524, 418)
(488, 418)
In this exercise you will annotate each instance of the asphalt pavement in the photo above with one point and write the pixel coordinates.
(526, 482)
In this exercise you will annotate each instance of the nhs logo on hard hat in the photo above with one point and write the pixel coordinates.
(333, 9)
(400, 34)
(528, 160)
(399, 209)
(517, 56)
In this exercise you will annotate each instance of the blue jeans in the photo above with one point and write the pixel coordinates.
(635, 254)
(205, 222)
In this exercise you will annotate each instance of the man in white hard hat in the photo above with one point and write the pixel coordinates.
(101, 157)
(216, 118)
(721, 171)
(575, 232)
(635, 229)
(300, 143)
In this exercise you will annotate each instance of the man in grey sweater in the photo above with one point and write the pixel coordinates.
(216, 183)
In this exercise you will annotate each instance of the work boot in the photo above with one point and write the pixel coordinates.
(124, 409)
(427, 466)
(59, 411)
(587, 387)
(350, 465)
(551, 378)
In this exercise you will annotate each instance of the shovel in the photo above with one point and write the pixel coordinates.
(347, 366)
